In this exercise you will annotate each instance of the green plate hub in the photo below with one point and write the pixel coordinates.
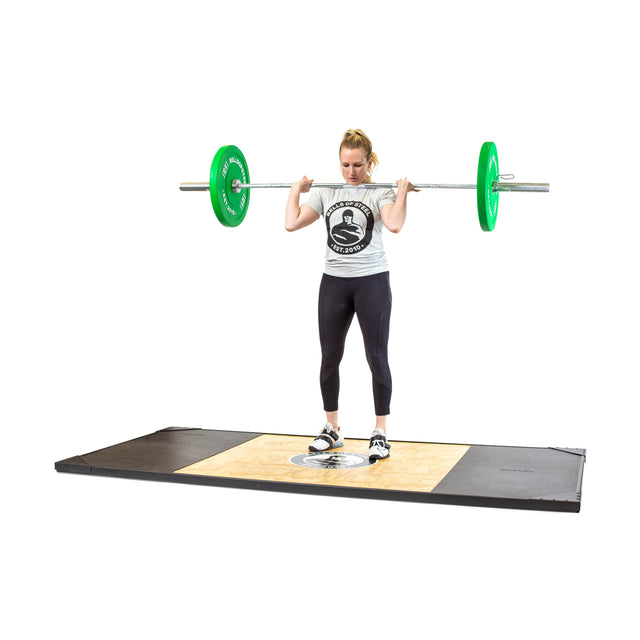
(488, 172)
(229, 165)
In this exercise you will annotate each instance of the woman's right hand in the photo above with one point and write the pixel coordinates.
(304, 184)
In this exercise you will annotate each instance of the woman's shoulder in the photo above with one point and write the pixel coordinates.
(383, 193)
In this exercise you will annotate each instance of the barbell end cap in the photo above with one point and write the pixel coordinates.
(194, 186)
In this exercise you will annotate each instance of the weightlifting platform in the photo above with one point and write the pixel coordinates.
(543, 479)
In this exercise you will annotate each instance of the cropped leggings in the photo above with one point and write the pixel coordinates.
(368, 297)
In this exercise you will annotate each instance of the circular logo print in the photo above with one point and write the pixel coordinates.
(331, 460)
(349, 226)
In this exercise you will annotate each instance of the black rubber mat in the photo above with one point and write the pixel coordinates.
(490, 476)
(517, 473)
(160, 452)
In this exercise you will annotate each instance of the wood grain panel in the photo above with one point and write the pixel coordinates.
(413, 466)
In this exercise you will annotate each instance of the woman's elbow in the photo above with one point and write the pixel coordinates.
(393, 224)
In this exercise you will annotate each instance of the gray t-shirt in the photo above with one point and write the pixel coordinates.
(354, 229)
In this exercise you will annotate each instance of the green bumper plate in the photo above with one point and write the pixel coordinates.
(488, 172)
(229, 165)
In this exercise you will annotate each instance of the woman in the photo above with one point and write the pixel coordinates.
(355, 280)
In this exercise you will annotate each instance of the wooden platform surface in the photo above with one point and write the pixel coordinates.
(412, 466)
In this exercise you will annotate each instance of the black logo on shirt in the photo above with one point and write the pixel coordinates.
(349, 226)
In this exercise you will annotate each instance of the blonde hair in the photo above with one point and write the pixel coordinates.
(358, 139)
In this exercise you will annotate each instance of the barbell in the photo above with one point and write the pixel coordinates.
(229, 186)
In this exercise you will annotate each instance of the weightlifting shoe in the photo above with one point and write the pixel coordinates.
(378, 445)
(328, 438)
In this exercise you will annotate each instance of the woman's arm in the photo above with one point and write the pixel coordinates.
(296, 216)
(394, 215)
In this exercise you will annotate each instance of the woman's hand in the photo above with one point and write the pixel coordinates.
(404, 184)
(304, 184)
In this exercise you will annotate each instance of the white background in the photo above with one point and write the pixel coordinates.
(127, 308)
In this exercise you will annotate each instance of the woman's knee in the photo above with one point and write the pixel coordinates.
(379, 365)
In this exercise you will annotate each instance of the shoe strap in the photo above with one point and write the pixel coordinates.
(328, 435)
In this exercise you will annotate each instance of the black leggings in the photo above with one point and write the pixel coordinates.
(370, 298)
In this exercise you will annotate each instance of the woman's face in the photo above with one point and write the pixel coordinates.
(354, 165)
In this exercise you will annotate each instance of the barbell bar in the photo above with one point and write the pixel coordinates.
(237, 186)
(229, 186)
